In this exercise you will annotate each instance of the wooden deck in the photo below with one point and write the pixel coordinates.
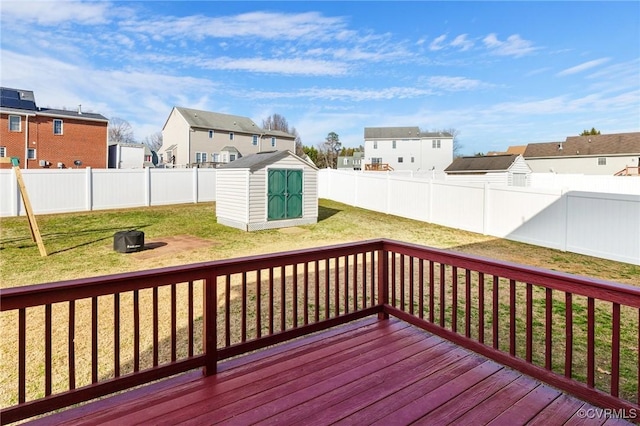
(367, 372)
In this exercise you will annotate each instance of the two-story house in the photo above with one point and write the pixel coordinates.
(406, 148)
(610, 154)
(350, 162)
(203, 138)
(50, 138)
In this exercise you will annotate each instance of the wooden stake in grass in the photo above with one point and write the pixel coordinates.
(33, 224)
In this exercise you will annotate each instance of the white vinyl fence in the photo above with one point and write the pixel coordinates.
(604, 225)
(600, 224)
(72, 190)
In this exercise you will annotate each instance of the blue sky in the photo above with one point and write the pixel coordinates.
(500, 73)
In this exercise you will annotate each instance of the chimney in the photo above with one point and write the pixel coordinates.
(80, 109)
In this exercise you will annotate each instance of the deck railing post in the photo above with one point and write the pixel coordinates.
(383, 281)
(210, 332)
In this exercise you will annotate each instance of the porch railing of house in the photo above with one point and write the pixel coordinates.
(378, 167)
(629, 171)
(78, 340)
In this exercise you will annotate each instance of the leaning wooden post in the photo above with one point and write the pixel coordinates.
(210, 329)
(383, 282)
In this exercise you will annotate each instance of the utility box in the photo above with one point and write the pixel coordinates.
(128, 241)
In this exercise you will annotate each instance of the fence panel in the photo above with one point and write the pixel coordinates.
(458, 206)
(118, 188)
(172, 186)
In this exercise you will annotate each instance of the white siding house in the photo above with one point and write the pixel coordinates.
(267, 190)
(509, 170)
(589, 155)
(195, 138)
(407, 148)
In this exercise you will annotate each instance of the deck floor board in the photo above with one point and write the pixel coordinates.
(367, 372)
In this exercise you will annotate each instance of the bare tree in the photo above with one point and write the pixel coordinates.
(275, 122)
(154, 141)
(299, 148)
(120, 131)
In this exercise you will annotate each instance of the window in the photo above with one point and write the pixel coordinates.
(413, 160)
(3, 151)
(376, 160)
(375, 144)
(400, 159)
(57, 127)
(201, 157)
(393, 144)
(14, 123)
(435, 143)
(345, 161)
(216, 157)
(273, 142)
(602, 161)
(31, 154)
(254, 141)
(230, 136)
(232, 157)
(210, 134)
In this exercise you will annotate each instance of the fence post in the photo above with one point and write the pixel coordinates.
(88, 202)
(147, 186)
(210, 329)
(383, 281)
(195, 185)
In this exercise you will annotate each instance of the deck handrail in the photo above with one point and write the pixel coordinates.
(286, 295)
(465, 282)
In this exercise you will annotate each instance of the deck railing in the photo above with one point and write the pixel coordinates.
(77, 340)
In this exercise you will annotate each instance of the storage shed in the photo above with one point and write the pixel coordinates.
(508, 169)
(274, 189)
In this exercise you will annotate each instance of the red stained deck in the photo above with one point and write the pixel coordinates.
(366, 372)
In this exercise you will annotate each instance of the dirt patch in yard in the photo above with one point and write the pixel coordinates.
(171, 245)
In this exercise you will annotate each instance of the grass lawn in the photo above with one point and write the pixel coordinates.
(81, 245)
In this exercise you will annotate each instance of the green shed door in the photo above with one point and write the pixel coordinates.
(284, 194)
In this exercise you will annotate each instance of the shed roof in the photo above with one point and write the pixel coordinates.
(613, 144)
(491, 163)
(257, 161)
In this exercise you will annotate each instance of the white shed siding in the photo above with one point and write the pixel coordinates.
(232, 201)
(494, 178)
(519, 166)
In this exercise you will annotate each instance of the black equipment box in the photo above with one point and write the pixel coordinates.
(128, 241)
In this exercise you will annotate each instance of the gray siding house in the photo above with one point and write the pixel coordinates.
(267, 190)
(510, 170)
(195, 138)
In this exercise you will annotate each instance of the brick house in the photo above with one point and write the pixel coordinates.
(50, 138)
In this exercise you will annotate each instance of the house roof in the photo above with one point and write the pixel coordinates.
(613, 144)
(491, 163)
(257, 161)
(230, 148)
(400, 133)
(226, 122)
(23, 101)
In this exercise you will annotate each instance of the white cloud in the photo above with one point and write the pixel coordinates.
(462, 42)
(437, 43)
(345, 94)
(278, 66)
(583, 67)
(455, 84)
(513, 46)
(254, 25)
(55, 12)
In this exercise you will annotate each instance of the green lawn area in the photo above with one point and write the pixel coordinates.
(81, 244)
